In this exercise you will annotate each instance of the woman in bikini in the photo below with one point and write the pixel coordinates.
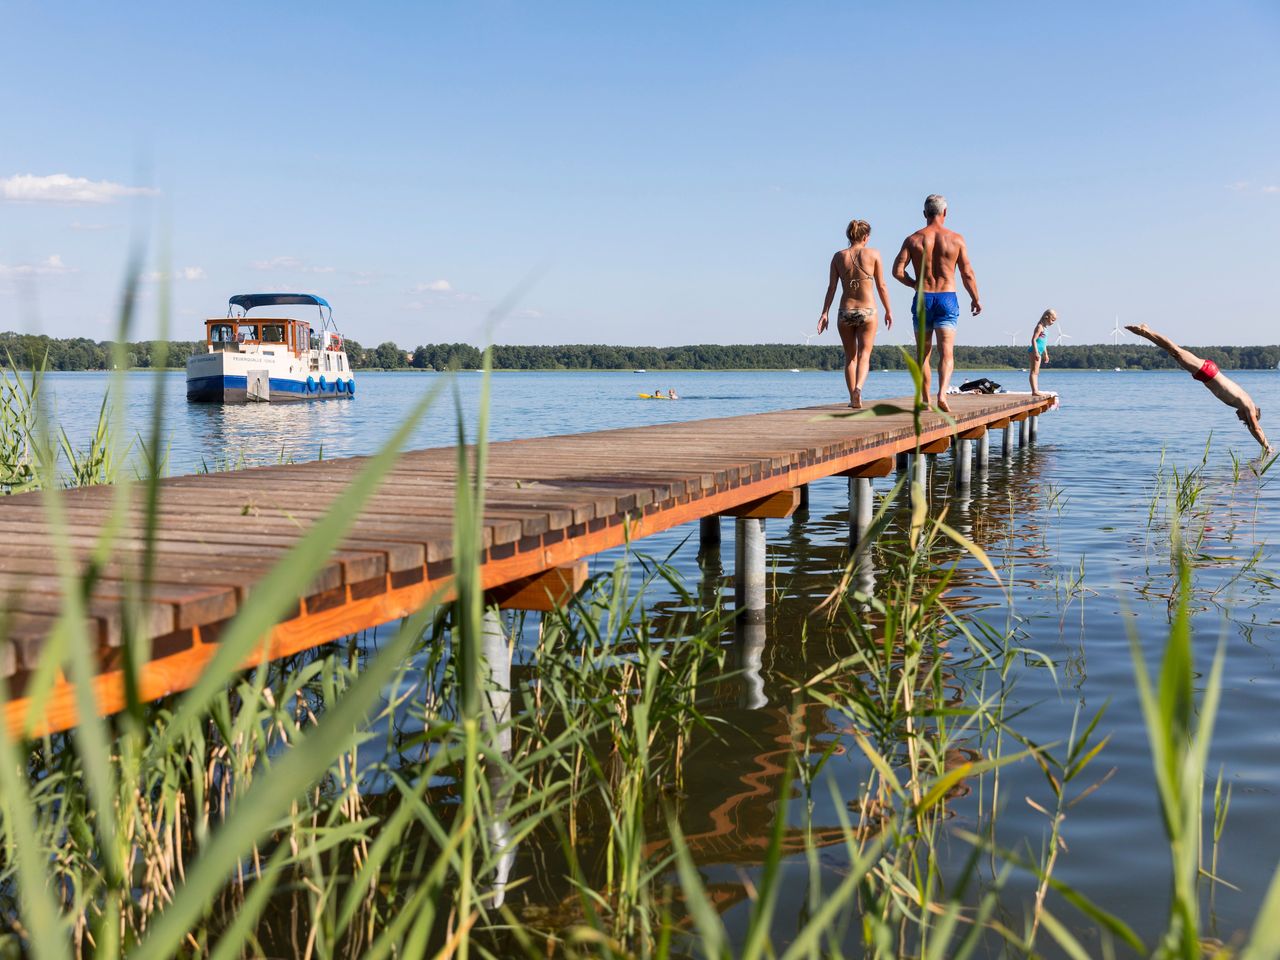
(857, 267)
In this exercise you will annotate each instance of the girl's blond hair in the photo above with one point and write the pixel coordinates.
(1049, 314)
(857, 231)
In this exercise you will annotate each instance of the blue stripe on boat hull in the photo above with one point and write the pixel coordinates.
(232, 389)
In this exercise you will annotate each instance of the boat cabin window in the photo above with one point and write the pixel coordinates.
(247, 331)
(273, 333)
(339, 361)
(327, 361)
(221, 333)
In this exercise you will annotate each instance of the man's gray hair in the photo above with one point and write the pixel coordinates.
(935, 205)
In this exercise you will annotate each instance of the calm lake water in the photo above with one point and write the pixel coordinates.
(1076, 503)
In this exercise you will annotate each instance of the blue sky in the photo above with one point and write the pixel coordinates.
(642, 173)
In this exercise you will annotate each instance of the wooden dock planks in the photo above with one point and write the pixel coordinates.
(550, 501)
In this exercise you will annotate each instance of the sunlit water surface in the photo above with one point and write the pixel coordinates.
(1078, 502)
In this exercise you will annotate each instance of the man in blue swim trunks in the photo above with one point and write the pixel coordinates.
(935, 252)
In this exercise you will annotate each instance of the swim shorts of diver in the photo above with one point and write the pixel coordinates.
(1207, 372)
(940, 310)
(857, 316)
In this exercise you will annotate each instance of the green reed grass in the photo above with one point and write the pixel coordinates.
(366, 799)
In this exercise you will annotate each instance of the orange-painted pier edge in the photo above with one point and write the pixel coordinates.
(550, 502)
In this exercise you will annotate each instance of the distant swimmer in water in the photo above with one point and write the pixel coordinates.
(671, 394)
(857, 267)
(1040, 347)
(1219, 384)
(936, 253)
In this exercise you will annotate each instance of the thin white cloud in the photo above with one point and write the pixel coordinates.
(1246, 186)
(61, 188)
(442, 290)
(186, 273)
(50, 266)
(292, 264)
(527, 314)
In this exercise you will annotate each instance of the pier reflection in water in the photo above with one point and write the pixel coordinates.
(736, 779)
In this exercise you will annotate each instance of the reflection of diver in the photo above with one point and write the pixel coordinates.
(748, 646)
(496, 722)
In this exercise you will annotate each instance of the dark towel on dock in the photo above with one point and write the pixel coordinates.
(981, 385)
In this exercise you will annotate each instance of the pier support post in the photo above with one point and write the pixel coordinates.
(1006, 445)
(920, 469)
(984, 452)
(495, 653)
(1034, 428)
(861, 509)
(709, 532)
(1023, 432)
(900, 461)
(749, 569)
(804, 497)
(964, 464)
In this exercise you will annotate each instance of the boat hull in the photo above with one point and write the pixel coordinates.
(209, 380)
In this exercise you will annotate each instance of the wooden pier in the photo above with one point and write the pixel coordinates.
(550, 502)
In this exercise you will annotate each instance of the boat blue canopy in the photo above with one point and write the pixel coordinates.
(248, 301)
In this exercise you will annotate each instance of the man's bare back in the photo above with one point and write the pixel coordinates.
(940, 252)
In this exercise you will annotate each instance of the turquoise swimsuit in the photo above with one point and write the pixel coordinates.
(1039, 347)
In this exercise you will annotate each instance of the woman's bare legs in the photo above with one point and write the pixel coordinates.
(1035, 374)
(849, 338)
(866, 334)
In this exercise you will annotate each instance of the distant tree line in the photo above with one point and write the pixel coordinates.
(28, 350)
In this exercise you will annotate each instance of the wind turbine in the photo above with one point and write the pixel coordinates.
(1013, 338)
(1061, 336)
(1117, 332)
(808, 337)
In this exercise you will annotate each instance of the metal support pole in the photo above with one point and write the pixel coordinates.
(964, 464)
(862, 507)
(900, 462)
(1035, 427)
(1006, 445)
(984, 452)
(920, 469)
(749, 570)
(497, 657)
(804, 497)
(709, 532)
(1022, 433)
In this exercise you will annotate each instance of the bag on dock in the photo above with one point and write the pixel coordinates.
(981, 385)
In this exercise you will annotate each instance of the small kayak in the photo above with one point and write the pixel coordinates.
(654, 396)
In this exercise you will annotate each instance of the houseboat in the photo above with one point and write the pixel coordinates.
(270, 359)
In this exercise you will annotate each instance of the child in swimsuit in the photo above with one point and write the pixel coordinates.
(1040, 347)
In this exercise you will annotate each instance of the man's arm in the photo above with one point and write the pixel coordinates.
(1251, 421)
(831, 294)
(900, 267)
(968, 277)
(884, 294)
